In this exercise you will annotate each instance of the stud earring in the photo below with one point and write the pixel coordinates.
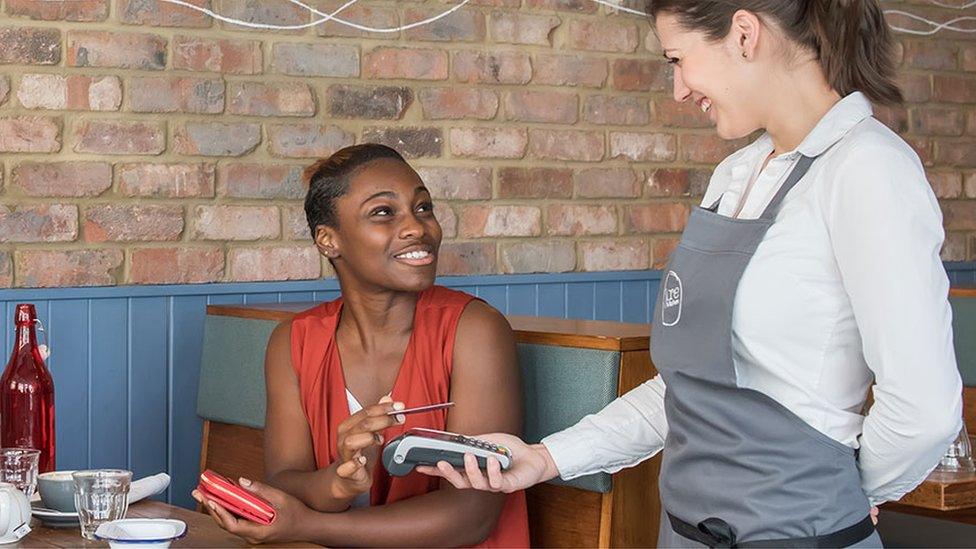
(745, 55)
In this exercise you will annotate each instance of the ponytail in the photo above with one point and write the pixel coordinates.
(850, 38)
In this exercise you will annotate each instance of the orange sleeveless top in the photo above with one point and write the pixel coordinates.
(424, 378)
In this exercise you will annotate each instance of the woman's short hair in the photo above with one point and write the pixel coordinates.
(328, 179)
(850, 38)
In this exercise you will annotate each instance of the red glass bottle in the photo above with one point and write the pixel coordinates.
(27, 394)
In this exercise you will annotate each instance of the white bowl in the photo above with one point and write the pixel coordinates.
(138, 533)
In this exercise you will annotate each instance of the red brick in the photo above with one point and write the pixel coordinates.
(119, 137)
(641, 75)
(6, 270)
(59, 10)
(523, 28)
(707, 149)
(667, 182)
(946, 184)
(584, 6)
(569, 70)
(572, 145)
(65, 268)
(924, 148)
(176, 265)
(225, 56)
(408, 141)
(262, 12)
(917, 88)
(376, 17)
(277, 263)
(261, 181)
(535, 183)
(893, 116)
(116, 50)
(542, 106)
(938, 121)
(955, 153)
(657, 217)
(4, 88)
(954, 88)
(408, 64)
(260, 99)
(661, 251)
(968, 56)
(30, 134)
(607, 35)
(580, 219)
(466, 258)
(165, 94)
(672, 114)
(373, 102)
(458, 103)
(446, 218)
(930, 54)
(550, 256)
(607, 183)
(67, 179)
(163, 14)
(294, 223)
(38, 223)
(307, 140)
(959, 215)
(30, 46)
(969, 185)
(166, 180)
(331, 60)
(480, 221)
(489, 142)
(457, 183)
(235, 223)
(642, 147)
(615, 255)
(954, 247)
(127, 223)
(492, 68)
(623, 110)
(464, 25)
(74, 92)
(212, 139)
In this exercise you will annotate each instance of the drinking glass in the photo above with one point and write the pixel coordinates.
(959, 455)
(101, 495)
(18, 466)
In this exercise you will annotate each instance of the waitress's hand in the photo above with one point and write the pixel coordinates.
(290, 516)
(530, 466)
(874, 515)
(359, 438)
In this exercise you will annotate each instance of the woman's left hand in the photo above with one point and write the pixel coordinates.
(290, 514)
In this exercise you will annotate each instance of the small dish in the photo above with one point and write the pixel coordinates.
(140, 533)
(53, 518)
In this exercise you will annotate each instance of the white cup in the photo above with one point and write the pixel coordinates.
(15, 510)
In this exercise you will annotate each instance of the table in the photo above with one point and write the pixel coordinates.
(201, 530)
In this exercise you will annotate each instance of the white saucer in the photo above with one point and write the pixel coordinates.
(52, 518)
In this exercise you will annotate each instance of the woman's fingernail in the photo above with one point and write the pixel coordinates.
(245, 482)
(398, 406)
(401, 418)
(362, 459)
(212, 505)
(379, 439)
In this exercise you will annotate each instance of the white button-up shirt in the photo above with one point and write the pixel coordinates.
(845, 290)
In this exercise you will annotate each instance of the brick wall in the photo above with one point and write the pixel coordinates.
(144, 143)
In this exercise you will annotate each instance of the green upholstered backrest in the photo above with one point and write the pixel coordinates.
(964, 337)
(232, 370)
(561, 384)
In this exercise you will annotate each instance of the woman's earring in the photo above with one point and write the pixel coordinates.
(330, 252)
(745, 55)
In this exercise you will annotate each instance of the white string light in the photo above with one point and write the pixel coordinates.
(951, 25)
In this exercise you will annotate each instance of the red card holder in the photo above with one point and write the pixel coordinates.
(235, 499)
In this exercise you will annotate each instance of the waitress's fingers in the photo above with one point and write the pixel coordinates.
(475, 476)
(495, 478)
(874, 515)
(452, 475)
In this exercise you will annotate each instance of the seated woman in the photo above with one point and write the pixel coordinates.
(393, 340)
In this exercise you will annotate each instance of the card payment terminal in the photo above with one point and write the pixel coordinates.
(419, 446)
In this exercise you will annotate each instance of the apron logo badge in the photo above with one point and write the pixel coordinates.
(671, 311)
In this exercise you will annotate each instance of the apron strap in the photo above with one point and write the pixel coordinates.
(801, 169)
(715, 532)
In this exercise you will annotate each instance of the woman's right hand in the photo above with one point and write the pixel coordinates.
(531, 464)
(359, 438)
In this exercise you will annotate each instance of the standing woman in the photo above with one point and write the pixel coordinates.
(810, 272)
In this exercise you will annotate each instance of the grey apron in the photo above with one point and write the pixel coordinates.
(739, 468)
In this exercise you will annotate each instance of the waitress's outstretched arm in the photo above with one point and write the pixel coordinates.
(627, 431)
(886, 232)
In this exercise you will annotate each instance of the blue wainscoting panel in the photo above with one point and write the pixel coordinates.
(126, 360)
